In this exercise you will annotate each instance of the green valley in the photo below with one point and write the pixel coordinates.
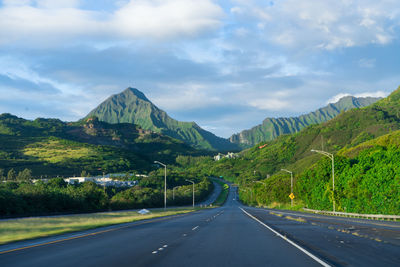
(365, 142)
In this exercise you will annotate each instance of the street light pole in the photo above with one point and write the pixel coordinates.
(291, 185)
(193, 189)
(173, 192)
(165, 183)
(329, 155)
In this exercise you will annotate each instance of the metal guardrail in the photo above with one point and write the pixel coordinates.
(356, 215)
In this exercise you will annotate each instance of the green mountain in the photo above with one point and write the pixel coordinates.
(50, 146)
(274, 127)
(132, 106)
(365, 142)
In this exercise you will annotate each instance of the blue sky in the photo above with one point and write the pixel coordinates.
(226, 65)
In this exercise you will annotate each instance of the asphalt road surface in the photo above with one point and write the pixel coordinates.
(233, 235)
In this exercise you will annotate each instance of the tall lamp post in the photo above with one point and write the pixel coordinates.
(173, 192)
(193, 189)
(165, 183)
(329, 155)
(291, 185)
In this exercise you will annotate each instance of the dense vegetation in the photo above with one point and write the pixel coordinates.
(56, 196)
(55, 148)
(274, 127)
(366, 144)
(132, 106)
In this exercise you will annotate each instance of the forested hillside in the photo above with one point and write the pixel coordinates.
(365, 144)
(274, 127)
(52, 147)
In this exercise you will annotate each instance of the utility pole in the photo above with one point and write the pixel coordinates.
(193, 189)
(165, 183)
(291, 185)
(173, 192)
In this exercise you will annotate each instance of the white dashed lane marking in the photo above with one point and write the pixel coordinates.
(193, 229)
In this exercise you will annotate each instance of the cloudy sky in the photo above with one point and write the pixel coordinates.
(226, 64)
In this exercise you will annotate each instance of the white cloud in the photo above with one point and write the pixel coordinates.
(328, 24)
(160, 18)
(15, 69)
(48, 20)
(51, 4)
(185, 97)
(270, 104)
(269, 100)
(367, 63)
(372, 94)
(337, 97)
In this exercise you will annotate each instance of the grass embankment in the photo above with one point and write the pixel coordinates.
(223, 195)
(297, 206)
(30, 228)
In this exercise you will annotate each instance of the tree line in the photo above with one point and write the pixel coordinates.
(12, 175)
(22, 197)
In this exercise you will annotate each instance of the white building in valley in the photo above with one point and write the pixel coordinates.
(230, 155)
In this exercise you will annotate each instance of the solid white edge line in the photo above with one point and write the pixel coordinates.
(288, 240)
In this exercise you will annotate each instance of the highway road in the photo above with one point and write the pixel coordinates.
(232, 235)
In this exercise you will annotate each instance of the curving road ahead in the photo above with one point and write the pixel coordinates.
(233, 235)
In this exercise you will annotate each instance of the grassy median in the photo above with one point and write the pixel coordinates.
(30, 228)
(223, 195)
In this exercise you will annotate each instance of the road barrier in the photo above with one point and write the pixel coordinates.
(356, 215)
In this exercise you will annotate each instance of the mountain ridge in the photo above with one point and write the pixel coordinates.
(274, 127)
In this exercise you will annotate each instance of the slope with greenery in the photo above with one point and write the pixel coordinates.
(132, 106)
(274, 127)
(53, 147)
(365, 143)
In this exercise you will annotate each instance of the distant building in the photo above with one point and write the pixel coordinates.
(103, 181)
(100, 180)
(230, 155)
(218, 157)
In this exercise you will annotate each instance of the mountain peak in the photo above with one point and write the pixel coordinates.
(132, 106)
(344, 98)
(135, 92)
